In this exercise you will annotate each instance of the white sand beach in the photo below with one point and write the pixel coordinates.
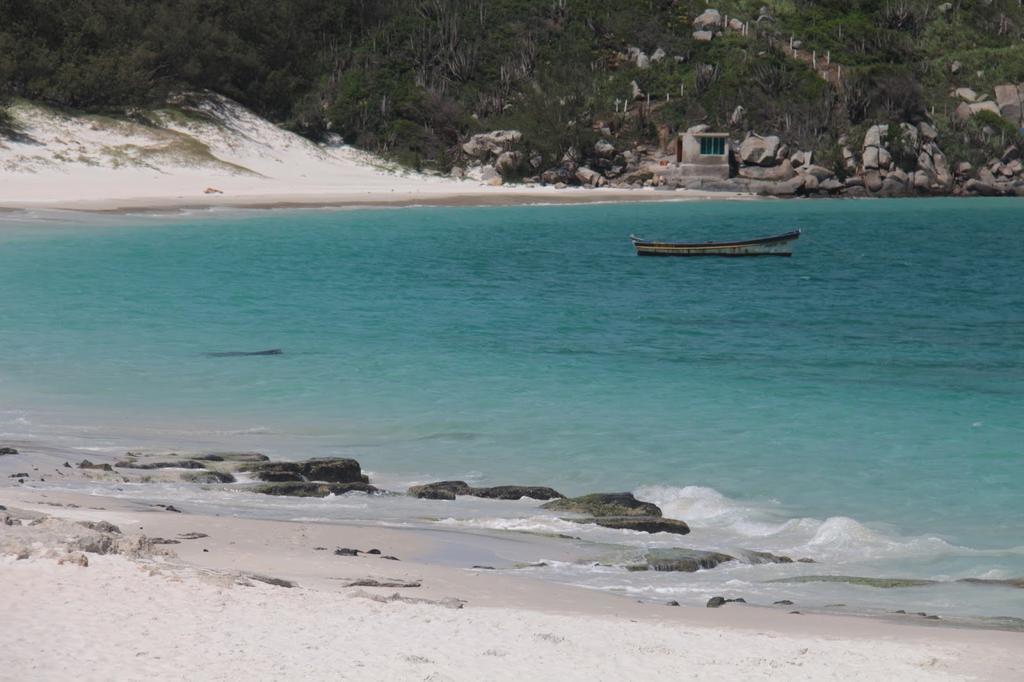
(223, 155)
(170, 595)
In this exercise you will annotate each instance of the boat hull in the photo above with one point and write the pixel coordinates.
(780, 245)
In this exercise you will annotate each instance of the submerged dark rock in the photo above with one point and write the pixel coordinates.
(208, 476)
(170, 464)
(8, 451)
(310, 489)
(328, 470)
(645, 524)
(346, 551)
(752, 557)
(232, 457)
(783, 602)
(882, 583)
(685, 560)
(448, 490)
(243, 353)
(1009, 582)
(604, 504)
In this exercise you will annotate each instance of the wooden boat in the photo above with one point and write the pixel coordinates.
(779, 245)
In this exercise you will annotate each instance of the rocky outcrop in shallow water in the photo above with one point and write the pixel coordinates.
(605, 505)
(691, 560)
(171, 464)
(327, 470)
(8, 451)
(882, 583)
(207, 477)
(247, 457)
(680, 559)
(310, 489)
(643, 524)
(448, 490)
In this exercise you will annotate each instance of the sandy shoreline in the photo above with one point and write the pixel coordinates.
(231, 158)
(449, 621)
(491, 196)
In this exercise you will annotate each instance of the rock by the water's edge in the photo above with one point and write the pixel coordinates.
(643, 524)
(604, 505)
(881, 583)
(716, 602)
(8, 451)
(207, 476)
(684, 560)
(172, 464)
(328, 470)
(310, 489)
(448, 490)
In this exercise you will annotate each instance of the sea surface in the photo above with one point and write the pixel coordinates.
(861, 403)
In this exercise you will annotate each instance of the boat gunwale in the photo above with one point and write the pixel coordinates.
(788, 236)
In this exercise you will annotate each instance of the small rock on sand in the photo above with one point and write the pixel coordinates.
(86, 464)
(716, 602)
(277, 582)
(346, 551)
(373, 582)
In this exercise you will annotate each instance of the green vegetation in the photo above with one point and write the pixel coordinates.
(411, 78)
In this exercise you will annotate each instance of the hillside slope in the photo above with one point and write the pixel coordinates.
(412, 80)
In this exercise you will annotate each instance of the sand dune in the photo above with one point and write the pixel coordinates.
(210, 151)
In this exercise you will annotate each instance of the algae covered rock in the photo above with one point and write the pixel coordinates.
(441, 490)
(644, 524)
(207, 476)
(752, 557)
(881, 583)
(604, 504)
(328, 470)
(169, 464)
(448, 490)
(684, 560)
(247, 457)
(311, 489)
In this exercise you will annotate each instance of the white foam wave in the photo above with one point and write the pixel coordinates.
(697, 505)
(523, 524)
(721, 522)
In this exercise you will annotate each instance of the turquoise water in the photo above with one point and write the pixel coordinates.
(877, 375)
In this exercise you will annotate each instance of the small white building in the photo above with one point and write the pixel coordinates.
(703, 155)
